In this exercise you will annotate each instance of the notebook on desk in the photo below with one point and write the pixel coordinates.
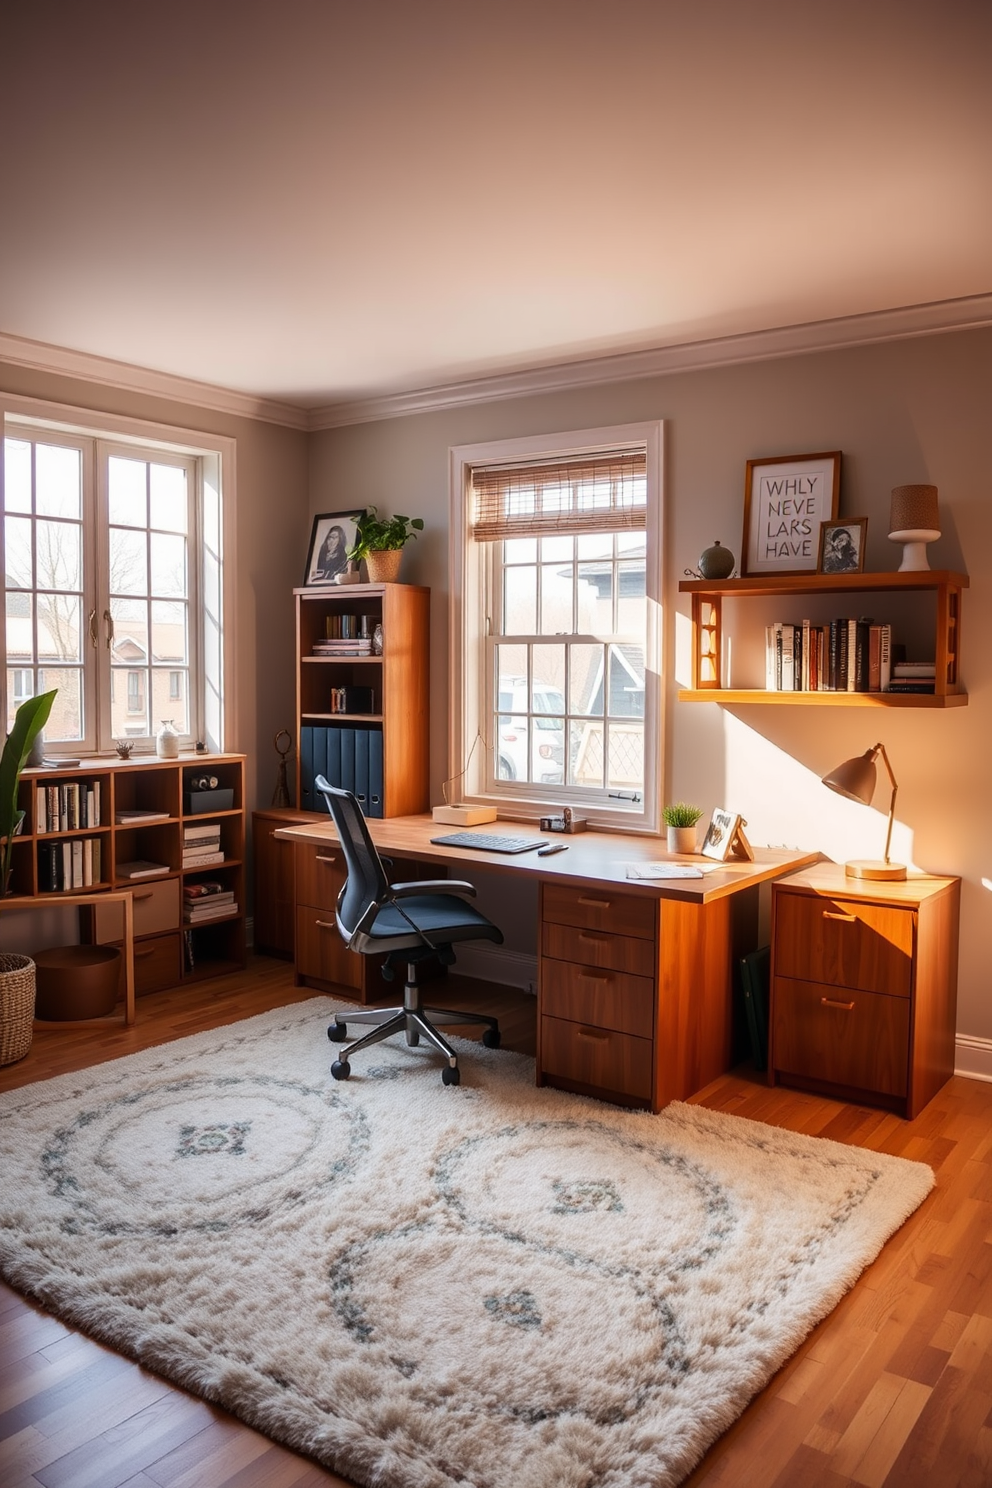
(490, 842)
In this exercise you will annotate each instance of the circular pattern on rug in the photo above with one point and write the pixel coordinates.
(201, 1154)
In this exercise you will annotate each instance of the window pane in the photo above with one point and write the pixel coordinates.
(169, 512)
(511, 748)
(556, 549)
(130, 617)
(59, 560)
(59, 627)
(20, 636)
(130, 703)
(586, 755)
(626, 682)
(519, 601)
(164, 704)
(17, 541)
(128, 562)
(65, 722)
(586, 679)
(548, 683)
(58, 481)
(520, 550)
(556, 598)
(626, 756)
(17, 475)
(168, 565)
(631, 611)
(594, 592)
(169, 642)
(127, 487)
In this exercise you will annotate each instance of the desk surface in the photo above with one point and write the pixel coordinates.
(592, 857)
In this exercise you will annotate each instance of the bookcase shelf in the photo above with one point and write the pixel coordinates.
(708, 635)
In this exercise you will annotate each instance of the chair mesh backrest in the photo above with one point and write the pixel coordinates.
(366, 882)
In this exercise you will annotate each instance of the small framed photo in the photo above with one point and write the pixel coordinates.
(842, 546)
(725, 837)
(786, 498)
(331, 540)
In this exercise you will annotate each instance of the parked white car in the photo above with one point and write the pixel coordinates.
(548, 733)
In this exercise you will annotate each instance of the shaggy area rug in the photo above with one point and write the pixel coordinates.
(423, 1285)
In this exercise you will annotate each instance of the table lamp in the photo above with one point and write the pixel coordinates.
(855, 779)
(913, 521)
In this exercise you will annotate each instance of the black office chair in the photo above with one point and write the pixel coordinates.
(372, 919)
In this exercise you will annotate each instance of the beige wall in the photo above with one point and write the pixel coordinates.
(272, 528)
(914, 410)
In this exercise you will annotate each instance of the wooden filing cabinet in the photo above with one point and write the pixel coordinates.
(863, 990)
(634, 992)
(274, 903)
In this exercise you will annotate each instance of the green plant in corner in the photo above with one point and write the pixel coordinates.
(29, 720)
(375, 534)
(681, 814)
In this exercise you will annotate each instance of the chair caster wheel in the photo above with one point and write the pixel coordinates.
(491, 1038)
(340, 1069)
(450, 1076)
(337, 1032)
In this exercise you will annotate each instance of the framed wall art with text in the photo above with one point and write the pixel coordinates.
(786, 497)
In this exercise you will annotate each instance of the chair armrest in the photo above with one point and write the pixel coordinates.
(433, 886)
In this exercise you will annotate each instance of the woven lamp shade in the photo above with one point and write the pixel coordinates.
(914, 509)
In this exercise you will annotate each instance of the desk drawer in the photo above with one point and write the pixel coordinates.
(600, 909)
(156, 906)
(845, 1037)
(157, 963)
(320, 872)
(320, 951)
(611, 1061)
(599, 948)
(844, 942)
(596, 995)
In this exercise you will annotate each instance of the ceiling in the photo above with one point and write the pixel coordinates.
(316, 202)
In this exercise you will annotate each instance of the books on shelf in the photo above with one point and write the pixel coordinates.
(141, 868)
(202, 859)
(844, 655)
(207, 889)
(204, 912)
(192, 832)
(67, 806)
(69, 864)
(130, 817)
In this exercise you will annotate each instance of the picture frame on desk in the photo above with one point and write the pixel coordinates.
(786, 498)
(333, 536)
(725, 837)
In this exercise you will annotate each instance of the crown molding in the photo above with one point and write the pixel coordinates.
(60, 360)
(931, 319)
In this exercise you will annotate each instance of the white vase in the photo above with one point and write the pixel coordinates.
(167, 741)
(682, 839)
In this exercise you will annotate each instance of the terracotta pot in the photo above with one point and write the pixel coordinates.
(682, 839)
(384, 567)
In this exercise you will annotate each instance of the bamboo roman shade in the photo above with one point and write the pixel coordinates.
(590, 493)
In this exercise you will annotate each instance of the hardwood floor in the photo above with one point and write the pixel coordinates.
(892, 1390)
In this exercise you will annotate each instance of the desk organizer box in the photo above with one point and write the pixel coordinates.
(198, 802)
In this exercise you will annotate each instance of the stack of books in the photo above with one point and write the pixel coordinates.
(201, 845)
(359, 647)
(207, 901)
(913, 676)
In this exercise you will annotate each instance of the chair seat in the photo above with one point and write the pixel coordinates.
(442, 917)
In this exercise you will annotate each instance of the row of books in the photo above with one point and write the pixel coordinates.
(201, 845)
(67, 806)
(347, 757)
(207, 900)
(348, 627)
(343, 648)
(68, 864)
(845, 655)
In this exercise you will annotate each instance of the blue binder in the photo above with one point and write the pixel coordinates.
(362, 768)
(306, 767)
(347, 758)
(375, 772)
(333, 765)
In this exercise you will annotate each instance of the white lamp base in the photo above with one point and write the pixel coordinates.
(914, 553)
(866, 868)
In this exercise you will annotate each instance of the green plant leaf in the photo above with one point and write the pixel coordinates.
(29, 720)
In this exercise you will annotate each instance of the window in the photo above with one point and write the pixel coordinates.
(557, 564)
(112, 565)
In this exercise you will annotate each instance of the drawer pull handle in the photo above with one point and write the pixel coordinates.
(325, 924)
(593, 976)
(597, 1035)
(596, 903)
(138, 897)
(595, 939)
(326, 858)
(833, 914)
(846, 1007)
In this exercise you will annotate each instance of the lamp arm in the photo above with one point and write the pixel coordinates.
(880, 749)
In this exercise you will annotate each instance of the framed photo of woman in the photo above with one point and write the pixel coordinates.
(331, 540)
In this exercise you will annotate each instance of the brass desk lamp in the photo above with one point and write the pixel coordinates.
(855, 779)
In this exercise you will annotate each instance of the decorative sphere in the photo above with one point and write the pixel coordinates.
(716, 562)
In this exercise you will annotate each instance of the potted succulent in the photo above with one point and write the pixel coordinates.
(681, 819)
(380, 542)
(29, 720)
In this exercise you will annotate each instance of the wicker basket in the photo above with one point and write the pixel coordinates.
(16, 1006)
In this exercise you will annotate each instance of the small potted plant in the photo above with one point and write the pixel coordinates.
(681, 820)
(380, 542)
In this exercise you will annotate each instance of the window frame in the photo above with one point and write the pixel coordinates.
(212, 548)
(471, 772)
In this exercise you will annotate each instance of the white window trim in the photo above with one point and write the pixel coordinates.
(468, 580)
(216, 455)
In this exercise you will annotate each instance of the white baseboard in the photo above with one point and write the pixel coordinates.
(973, 1057)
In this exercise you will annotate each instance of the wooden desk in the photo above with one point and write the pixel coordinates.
(634, 976)
(75, 901)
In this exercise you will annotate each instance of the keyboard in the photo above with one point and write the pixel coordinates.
(490, 842)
